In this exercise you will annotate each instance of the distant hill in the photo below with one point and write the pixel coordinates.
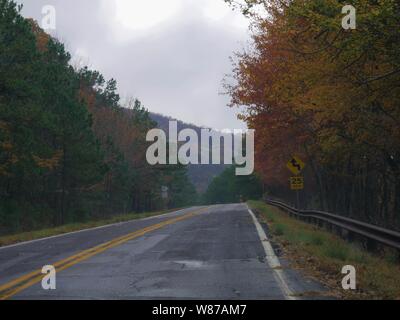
(200, 175)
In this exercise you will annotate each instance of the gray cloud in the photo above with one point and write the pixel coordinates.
(174, 68)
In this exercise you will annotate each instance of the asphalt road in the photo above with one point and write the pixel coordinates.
(217, 252)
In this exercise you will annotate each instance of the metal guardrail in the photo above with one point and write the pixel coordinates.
(371, 232)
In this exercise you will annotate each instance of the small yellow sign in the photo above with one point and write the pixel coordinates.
(296, 165)
(297, 183)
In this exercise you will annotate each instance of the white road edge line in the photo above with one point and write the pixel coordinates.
(91, 229)
(272, 259)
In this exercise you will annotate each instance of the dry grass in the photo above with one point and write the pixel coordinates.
(322, 255)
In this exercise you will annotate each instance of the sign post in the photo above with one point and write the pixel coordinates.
(165, 196)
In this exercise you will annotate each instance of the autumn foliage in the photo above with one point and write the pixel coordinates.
(331, 96)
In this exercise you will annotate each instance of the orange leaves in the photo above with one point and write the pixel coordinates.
(87, 96)
(3, 125)
(7, 158)
(42, 38)
(283, 89)
(50, 163)
(6, 146)
(310, 87)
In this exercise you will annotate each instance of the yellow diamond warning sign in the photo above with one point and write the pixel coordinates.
(296, 165)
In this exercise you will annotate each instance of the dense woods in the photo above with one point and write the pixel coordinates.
(230, 188)
(332, 97)
(69, 149)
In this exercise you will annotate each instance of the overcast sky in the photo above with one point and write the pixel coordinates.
(172, 55)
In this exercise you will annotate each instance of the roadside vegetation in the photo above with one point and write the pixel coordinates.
(322, 255)
(44, 233)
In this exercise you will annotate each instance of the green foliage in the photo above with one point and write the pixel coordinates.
(230, 188)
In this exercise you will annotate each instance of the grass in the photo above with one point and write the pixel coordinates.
(322, 255)
(44, 233)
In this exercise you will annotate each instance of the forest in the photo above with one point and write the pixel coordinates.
(328, 95)
(70, 149)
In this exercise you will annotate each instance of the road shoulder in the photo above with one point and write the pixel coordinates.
(321, 255)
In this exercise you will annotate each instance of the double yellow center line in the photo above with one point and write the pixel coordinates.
(17, 285)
